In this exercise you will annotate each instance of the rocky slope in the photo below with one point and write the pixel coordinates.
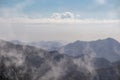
(23, 62)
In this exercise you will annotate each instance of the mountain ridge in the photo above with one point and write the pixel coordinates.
(101, 48)
(24, 62)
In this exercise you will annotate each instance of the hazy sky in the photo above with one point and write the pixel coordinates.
(67, 20)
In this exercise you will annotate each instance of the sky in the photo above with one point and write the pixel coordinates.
(66, 20)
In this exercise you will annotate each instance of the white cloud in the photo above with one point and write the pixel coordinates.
(65, 15)
(51, 20)
(56, 16)
(101, 1)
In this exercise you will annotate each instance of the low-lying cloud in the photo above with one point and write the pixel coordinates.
(56, 20)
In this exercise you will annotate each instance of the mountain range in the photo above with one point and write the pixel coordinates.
(46, 45)
(27, 62)
(107, 48)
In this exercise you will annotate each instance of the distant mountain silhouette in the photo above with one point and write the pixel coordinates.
(47, 45)
(107, 48)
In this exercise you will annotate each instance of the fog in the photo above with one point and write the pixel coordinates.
(63, 32)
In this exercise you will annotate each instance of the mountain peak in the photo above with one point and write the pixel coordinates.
(106, 40)
(109, 38)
